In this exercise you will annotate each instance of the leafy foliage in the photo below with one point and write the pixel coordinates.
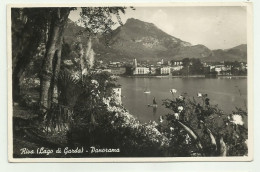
(100, 121)
(99, 19)
(207, 121)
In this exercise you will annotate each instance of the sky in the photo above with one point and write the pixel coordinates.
(215, 27)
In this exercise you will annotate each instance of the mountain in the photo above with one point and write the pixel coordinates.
(238, 53)
(146, 42)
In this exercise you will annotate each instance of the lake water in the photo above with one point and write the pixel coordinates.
(227, 93)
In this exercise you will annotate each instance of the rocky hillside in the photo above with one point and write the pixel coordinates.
(144, 41)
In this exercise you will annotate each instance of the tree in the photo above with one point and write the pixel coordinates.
(186, 62)
(197, 66)
(52, 59)
(33, 26)
(28, 31)
(96, 20)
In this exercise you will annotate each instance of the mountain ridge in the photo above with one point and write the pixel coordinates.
(146, 42)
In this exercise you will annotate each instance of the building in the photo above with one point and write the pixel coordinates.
(177, 63)
(221, 66)
(159, 63)
(212, 68)
(152, 70)
(243, 66)
(114, 63)
(165, 70)
(135, 63)
(218, 70)
(176, 68)
(141, 71)
(106, 70)
(225, 70)
(221, 69)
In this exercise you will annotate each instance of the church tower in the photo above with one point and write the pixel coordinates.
(135, 63)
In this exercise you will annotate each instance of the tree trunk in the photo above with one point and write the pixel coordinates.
(22, 61)
(51, 61)
(81, 57)
(54, 97)
(53, 91)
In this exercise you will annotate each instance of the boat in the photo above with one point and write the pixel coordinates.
(154, 105)
(147, 91)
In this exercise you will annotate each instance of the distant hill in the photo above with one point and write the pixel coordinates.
(238, 53)
(144, 41)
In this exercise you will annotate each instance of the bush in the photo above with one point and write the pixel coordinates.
(100, 121)
(195, 128)
(218, 133)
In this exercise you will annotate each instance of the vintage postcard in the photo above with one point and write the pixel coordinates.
(130, 82)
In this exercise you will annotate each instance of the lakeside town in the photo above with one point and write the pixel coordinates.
(179, 68)
(77, 87)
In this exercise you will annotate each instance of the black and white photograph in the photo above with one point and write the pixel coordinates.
(121, 82)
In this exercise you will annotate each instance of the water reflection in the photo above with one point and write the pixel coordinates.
(154, 113)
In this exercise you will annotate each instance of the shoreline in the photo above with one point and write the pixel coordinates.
(190, 76)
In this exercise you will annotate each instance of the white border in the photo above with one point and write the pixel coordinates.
(157, 159)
